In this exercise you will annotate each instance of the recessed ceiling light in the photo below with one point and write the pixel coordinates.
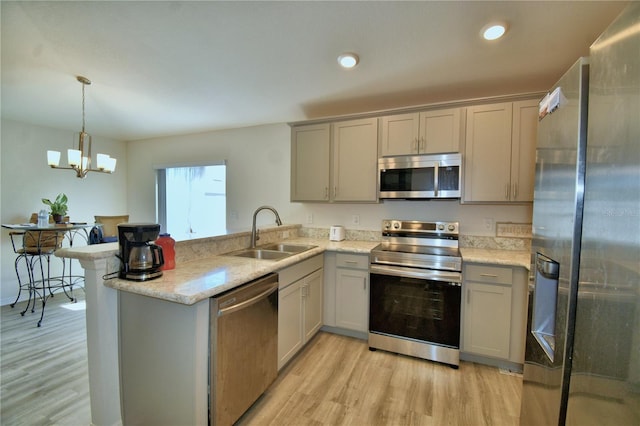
(348, 60)
(494, 31)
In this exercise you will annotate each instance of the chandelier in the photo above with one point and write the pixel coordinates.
(80, 159)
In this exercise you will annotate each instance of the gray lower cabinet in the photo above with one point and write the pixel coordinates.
(299, 306)
(347, 293)
(494, 309)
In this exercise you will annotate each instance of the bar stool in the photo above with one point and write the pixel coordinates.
(32, 249)
(19, 250)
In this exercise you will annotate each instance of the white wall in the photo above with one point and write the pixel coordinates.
(258, 160)
(258, 167)
(258, 163)
(26, 179)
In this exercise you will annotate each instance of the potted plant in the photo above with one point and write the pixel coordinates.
(58, 207)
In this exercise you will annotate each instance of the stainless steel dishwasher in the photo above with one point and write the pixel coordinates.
(244, 348)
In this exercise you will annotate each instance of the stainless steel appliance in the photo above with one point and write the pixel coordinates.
(141, 259)
(582, 357)
(420, 176)
(415, 290)
(244, 347)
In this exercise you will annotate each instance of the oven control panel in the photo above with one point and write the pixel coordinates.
(414, 226)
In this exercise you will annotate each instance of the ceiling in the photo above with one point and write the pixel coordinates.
(165, 68)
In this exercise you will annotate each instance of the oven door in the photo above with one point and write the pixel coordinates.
(415, 304)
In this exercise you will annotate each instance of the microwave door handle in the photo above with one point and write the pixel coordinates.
(435, 181)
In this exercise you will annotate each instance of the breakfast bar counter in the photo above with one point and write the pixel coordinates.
(199, 279)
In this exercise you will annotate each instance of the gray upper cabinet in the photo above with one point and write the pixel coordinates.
(310, 157)
(500, 152)
(355, 160)
(335, 162)
(427, 132)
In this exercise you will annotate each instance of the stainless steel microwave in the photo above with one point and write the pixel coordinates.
(420, 176)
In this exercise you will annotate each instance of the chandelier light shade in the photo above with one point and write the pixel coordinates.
(79, 159)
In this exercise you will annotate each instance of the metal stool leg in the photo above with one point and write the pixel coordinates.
(44, 287)
(20, 285)
(64, 285)
(32, 295)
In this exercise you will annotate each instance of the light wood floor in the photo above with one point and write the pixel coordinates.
(335, 380)
(43, 373)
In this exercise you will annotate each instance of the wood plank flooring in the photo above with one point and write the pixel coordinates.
(335, 380)
(43, 373)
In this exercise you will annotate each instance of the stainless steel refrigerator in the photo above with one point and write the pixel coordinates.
(582, 357)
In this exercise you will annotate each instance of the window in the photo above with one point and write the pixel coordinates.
(192, 201)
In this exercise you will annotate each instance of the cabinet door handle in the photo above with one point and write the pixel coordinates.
(507, 189)
(515, 191)
(489, 275)
(468, 296)
(416, 143)
(351, 262)
(335, 191)
(364, 283)
(326, 192)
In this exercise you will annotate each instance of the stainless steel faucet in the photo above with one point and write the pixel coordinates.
(254, 233)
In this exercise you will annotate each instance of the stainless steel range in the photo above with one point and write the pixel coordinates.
(414, 300)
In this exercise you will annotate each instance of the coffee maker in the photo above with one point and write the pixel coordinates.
(141, 259)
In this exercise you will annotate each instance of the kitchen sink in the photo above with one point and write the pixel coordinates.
(273, 251)
(261, 254)
(291, 248)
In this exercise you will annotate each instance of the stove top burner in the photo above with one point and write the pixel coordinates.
(416, 249)
(429, 245)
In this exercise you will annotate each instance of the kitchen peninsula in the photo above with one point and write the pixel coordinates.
(200, 273)
(183, 293)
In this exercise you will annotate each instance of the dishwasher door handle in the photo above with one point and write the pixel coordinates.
(233, 308)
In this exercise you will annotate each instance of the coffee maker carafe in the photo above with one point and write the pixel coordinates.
(141, 259)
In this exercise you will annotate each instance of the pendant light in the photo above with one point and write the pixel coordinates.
(80, 159)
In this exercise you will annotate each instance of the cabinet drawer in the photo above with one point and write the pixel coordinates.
(353, 261)
(293, 273)
(488, 274)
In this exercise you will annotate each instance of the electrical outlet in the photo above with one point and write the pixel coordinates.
(355, 219)
(488, 224)
(309, 217)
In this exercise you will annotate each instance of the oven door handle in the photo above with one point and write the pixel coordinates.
(454, 278)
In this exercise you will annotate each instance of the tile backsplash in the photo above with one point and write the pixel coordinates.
(206, 247)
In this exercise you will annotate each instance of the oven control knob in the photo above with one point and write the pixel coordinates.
(386, 225)
(452, 228)
(396, 225)
(440, 227)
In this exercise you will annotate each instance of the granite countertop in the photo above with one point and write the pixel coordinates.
(497, 257)
(193, 281)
